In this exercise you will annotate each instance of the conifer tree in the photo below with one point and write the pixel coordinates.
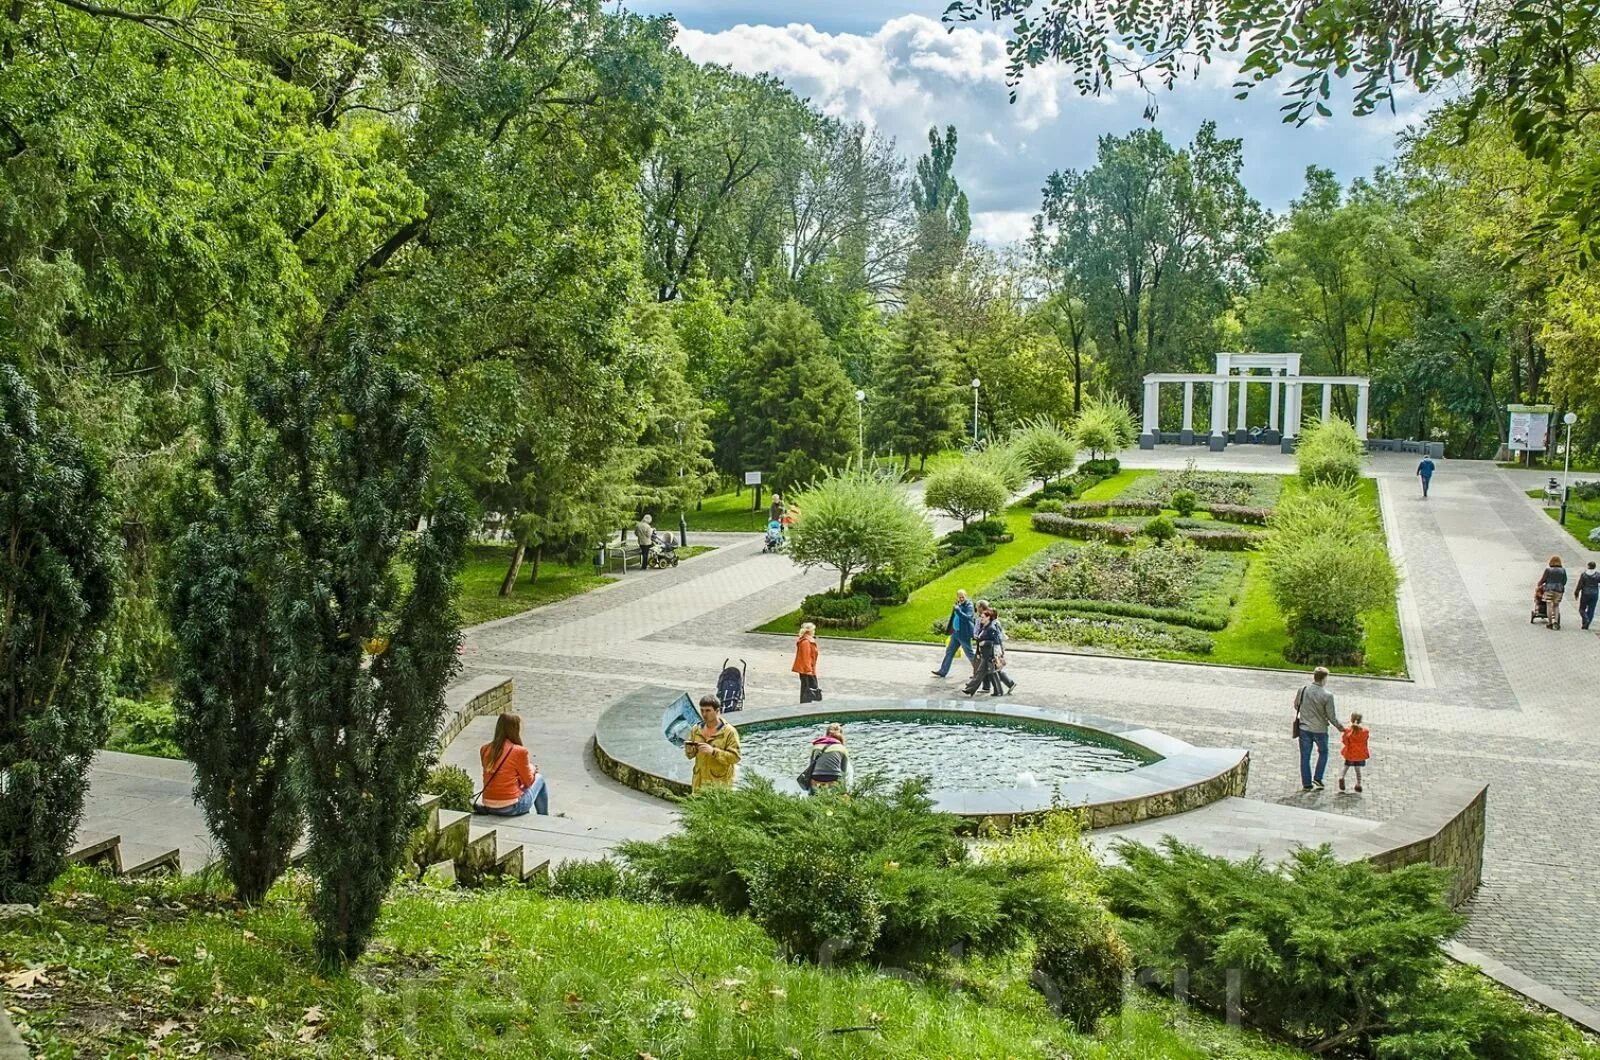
(58, 564)
(370, 631)
(916, 399)
(231, 715)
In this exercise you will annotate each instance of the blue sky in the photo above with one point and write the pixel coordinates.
(892, 64)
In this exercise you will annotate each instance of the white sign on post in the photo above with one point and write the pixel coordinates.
(752, 478)
(1529, 428)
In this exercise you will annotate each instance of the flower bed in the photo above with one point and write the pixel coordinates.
(1127, 636)
(1211, 488)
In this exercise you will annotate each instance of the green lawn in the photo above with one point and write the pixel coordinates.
(163, 969)
(1255, 637)
(914, 619)
(1582, 517)
(723, 512)
(486, 565)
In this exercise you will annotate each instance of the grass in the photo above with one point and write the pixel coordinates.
(1582, 517)
(1256, 635)
(723, 512)
(914, 619)
(479, 598)
(165, 970)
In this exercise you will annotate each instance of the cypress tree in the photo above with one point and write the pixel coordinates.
(369, 626)
(58, 571)
(918, 401)
(232, 718)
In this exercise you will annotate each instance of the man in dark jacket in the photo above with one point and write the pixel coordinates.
(1587, 592)
(961, 626)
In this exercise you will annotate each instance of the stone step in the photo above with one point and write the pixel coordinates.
(97, 849)
(608, 831)
(144, 859)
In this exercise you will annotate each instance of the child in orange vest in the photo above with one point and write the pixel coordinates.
(1354, 749)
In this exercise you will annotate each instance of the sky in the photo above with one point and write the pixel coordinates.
(893, 65)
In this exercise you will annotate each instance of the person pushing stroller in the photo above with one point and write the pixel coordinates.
(774, 540)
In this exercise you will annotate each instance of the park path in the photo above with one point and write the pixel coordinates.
(1493, 697)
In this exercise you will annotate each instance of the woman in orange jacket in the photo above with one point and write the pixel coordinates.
(805, 663)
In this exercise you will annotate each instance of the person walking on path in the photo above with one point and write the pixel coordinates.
(511, 785)
(1353, 749)
(987, 639)
(830, 761)
(805, 663)
(1587, 593)
(1551, 588)
(713, 746)
(962, 620)
(775, 509)
(1314, 712)
(644, 532)
(1425, 473)
(1000, 675)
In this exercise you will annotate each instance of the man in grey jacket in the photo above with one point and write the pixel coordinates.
(1313, 706)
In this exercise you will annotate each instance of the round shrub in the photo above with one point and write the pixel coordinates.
(1329, 453)
(454, 786)
(965, 491)
(839, 611)
(1184, 502)
(817, 902)
(1160, 529)
(1082, 969)
(881, 586)
(991, 529)
(586, 880)
(1050, 505)
(964, 539)
(1325, 643)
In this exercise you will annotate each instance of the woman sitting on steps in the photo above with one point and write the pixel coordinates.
(511, 786)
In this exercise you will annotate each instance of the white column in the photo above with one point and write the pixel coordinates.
(1327, 401)
(1188, 406)
(1152, 407)
(1272, 409)
(1219, 409)
(1244, 402)
(1361, 411)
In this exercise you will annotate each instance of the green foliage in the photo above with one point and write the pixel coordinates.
(1082, 965)
(366, 656)
(884, 588)
(1133, 637)
(992, 529)
(942, 220)
(453, 785)
(1328, 564)
(791, 409)
(1184, 501)
(915, 404)
(856, 521)
(1050, 506)
(58, 574)
(1157, 577)
(1103, 467)
(227, 599)
(965, 490)
(1225, 488)
(1160, 529)
(1337, 957)
(817, 902)
(839, 609)
(1240, 513)
(1104, 426)
(1329, 453)
(587, 881)
(143, 727)
(1046, 450)
(1084, 529)
(1005, 462)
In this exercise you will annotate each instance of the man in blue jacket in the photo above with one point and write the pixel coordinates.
(961, 626)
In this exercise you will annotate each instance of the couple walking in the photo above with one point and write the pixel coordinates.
(977, 625)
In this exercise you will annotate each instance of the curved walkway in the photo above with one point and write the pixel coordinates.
(1493, 698)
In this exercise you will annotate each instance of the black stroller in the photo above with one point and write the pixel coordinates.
(730, 686)
(663, 551)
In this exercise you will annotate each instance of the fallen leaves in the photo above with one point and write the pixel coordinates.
(26, 979)
(312, 1024)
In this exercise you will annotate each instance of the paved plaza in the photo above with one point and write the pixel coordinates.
(1492, 697)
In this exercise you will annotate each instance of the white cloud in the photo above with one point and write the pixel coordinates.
(911, 74)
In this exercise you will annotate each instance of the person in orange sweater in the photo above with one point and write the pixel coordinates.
(1354, 749)
(511, 785)
(805, 662)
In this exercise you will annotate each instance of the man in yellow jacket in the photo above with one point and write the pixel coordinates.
(713, 746)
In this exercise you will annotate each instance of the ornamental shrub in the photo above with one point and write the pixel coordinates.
(1082, 965)
(1104, 426)
(884, 588)
(816, 902)
(991, 529)
(1329, 453)
(58, 576)
(1050, 505)
(1184, 502)
(587, 881)
(838, 610)
(965, 491)
(1240, 513)
(963, 539)
(1213, 540)
(1337, 958)
(453, 785)
(1096, 509)
(1104, 467)
(1160, 529)
(1046, 450)
(1083, 529)
(1004, 462)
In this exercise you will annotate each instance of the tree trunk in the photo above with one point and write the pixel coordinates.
(538, 556)
(844, 576)
(509, 582)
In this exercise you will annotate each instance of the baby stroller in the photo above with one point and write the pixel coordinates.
(730, 686)
(663, 550)
(1541, 612)
(774, 539)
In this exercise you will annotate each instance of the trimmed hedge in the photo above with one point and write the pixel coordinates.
(1084, 529)
(1174, 616)
(1097, 509)
(1247, 514)
(883, 587)
(991, 529)
(832, 611)
(1103, 468)
(1133, 636)
(1224, 540)
(1050, 505)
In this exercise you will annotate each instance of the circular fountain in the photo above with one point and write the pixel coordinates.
(994, 763)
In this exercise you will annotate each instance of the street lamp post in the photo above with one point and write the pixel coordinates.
(1566, 471)
(861, 429)
(975, 385)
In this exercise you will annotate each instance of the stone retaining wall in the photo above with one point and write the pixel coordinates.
(473, 698)
(1445, 828)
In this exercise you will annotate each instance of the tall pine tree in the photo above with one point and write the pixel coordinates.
(58, 571)
(916, 401)
(943, 221)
